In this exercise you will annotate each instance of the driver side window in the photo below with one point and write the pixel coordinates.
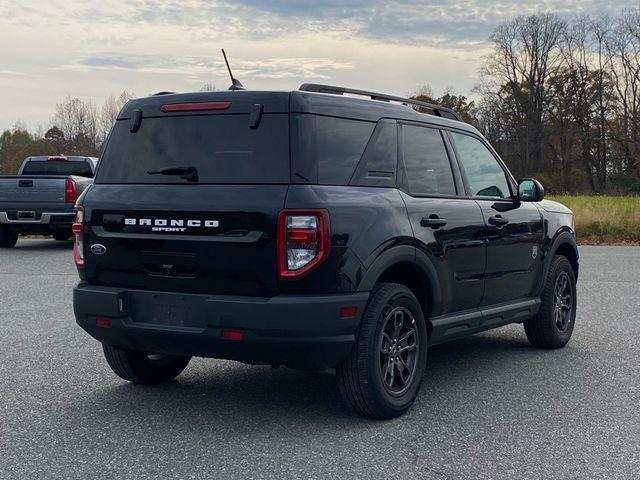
(485, 176)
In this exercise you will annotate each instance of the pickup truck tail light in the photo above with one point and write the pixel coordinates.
(78, 233)
(70, 191)
(304, 240)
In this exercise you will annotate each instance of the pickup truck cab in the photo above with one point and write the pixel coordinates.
(40, 199)
(314, 230)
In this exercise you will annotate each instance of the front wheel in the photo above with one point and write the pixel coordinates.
(382, 375)
(143, 367)
(8, 238)
(553, 325)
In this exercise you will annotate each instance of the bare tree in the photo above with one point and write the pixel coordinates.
(78, 121)
(109, 112)
(526, 52)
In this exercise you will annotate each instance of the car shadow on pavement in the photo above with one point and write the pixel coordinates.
(231, 393)
(43, 244)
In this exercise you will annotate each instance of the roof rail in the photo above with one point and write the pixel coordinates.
(436, 110)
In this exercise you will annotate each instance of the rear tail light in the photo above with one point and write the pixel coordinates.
(70, 191)
(304, 240)
(78, 233)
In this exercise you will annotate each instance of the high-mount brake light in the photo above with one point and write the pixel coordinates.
(304, 240)
(57, 159)
(70, 191)
(78, 242)
(194, 107)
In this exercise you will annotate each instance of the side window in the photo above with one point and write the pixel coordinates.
(340, 143)
(427, 168)
(485, 176)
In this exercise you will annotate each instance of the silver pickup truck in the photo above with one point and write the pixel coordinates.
(40, 199)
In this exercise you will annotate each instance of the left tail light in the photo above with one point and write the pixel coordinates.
(78, 233)
(70, 191)
(304, 240)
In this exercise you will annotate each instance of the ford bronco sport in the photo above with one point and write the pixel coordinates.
(315, 230)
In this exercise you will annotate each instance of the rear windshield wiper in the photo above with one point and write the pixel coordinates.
(190, 174)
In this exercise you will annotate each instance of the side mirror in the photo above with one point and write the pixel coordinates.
(530, 190)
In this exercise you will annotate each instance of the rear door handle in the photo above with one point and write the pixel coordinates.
(25, 183)
(433, 221)
(498, 221)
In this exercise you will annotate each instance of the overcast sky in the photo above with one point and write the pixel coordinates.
(91, 49)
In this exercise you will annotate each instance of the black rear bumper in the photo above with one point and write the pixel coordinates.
(295, 330)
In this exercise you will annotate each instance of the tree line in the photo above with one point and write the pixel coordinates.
(560, 100)
(78, 127)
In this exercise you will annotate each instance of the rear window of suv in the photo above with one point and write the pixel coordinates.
(223, 149)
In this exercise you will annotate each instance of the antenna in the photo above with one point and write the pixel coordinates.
(235, 83)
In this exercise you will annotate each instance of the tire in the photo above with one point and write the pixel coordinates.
(142, 367)
(8, 238)
(367, 378)
(61, 235)
(553, 325)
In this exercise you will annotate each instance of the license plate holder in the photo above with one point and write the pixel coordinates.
(26, 215)
(165, 311)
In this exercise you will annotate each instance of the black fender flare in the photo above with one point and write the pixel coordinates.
(403, 254)
(563, 237)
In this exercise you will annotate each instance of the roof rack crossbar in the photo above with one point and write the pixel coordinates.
(437, 110)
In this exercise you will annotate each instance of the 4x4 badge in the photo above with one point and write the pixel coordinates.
(98, 249)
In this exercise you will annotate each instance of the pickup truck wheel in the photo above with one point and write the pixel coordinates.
(8, 239)
(62, 235)
(142, 367)
(382, 375)
(553, 325)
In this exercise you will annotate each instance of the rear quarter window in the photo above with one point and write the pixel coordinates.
(327, 149)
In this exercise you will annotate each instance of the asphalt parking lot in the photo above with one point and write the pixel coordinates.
(491, 406)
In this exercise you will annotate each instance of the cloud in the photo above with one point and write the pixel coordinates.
(194, 66)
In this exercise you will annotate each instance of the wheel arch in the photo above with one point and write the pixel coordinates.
(410, 267)
(563, 244)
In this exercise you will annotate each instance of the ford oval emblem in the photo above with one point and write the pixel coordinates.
(98, 249)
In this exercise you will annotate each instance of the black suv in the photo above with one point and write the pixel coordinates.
(315, 230)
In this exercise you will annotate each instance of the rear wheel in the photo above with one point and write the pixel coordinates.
(8, 238)
(382, 375)
(553, 325)
(142, 367)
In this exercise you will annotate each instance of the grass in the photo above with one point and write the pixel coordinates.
(601, 219)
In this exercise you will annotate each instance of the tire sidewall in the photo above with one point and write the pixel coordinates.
(399, 297)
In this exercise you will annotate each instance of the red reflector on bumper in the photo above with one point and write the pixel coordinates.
(348, 312)
(232, 334)
(103, 323)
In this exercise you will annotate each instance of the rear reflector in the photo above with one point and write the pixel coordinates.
(194, 107)
(103, 322)
(232, 334)
(348, 312)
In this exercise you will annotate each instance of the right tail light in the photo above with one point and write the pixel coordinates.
(304, 240)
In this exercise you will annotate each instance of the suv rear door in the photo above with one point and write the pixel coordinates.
(216, 235)
(514, 228)
(449, 229)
